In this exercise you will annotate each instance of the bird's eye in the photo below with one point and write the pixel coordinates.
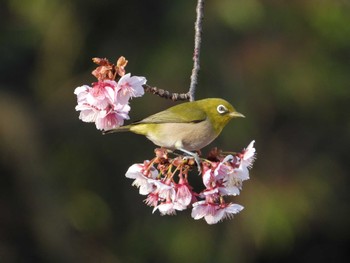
(221, 109)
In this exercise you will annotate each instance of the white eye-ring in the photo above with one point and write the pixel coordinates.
(221, 109)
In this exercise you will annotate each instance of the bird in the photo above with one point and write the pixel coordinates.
(186, 127)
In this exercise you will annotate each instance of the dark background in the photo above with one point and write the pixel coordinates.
(283, 64)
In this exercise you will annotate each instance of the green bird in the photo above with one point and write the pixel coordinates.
(187, 127)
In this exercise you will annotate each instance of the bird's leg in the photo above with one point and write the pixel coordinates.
(195, 156)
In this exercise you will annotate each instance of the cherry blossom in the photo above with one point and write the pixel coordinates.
(106, 102)
(213, 213)
(183, 195)
(143, 176)
(111, 118)
(130, 87)
(249, 155)
(165, 182)
(166, 208)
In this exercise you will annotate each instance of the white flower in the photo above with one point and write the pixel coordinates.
(249, 155)
(145, 184)
(171, 199)
(208, 178)
(223, 169)
(81, 93)
(98, 104)
(183, 196)
(221, 181)
(130, 87)
(229, 190)
(115, 117)
(234, 178)
(165, 191)
(87, 113)
(213, 213)
(167, 208)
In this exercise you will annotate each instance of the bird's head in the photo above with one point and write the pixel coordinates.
(219, 112)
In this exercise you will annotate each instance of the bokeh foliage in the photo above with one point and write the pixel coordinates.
(284, 64)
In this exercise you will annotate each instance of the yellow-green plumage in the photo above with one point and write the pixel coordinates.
(188, 126)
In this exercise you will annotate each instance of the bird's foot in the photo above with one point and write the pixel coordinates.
(196, 158)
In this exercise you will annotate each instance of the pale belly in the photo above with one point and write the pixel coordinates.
(188, 136)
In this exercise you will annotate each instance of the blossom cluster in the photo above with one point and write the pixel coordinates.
(164, 181)
(106, 102)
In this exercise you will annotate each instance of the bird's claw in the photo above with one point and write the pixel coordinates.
(196, 158)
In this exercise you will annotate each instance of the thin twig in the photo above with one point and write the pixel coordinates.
(197, 48)
(107, 70)
(166, 94)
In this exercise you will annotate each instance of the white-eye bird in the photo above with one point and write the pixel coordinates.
(187, 127)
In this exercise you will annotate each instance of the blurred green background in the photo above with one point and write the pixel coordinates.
(284, 64)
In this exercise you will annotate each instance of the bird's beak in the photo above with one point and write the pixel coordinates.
(236, 114)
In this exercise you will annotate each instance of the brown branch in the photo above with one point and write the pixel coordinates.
(190, 95)
(166, 94)
(197, 48)
(107, 70)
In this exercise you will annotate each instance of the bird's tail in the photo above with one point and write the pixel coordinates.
(119, 129)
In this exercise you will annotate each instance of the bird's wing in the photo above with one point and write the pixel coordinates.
(188, 115)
